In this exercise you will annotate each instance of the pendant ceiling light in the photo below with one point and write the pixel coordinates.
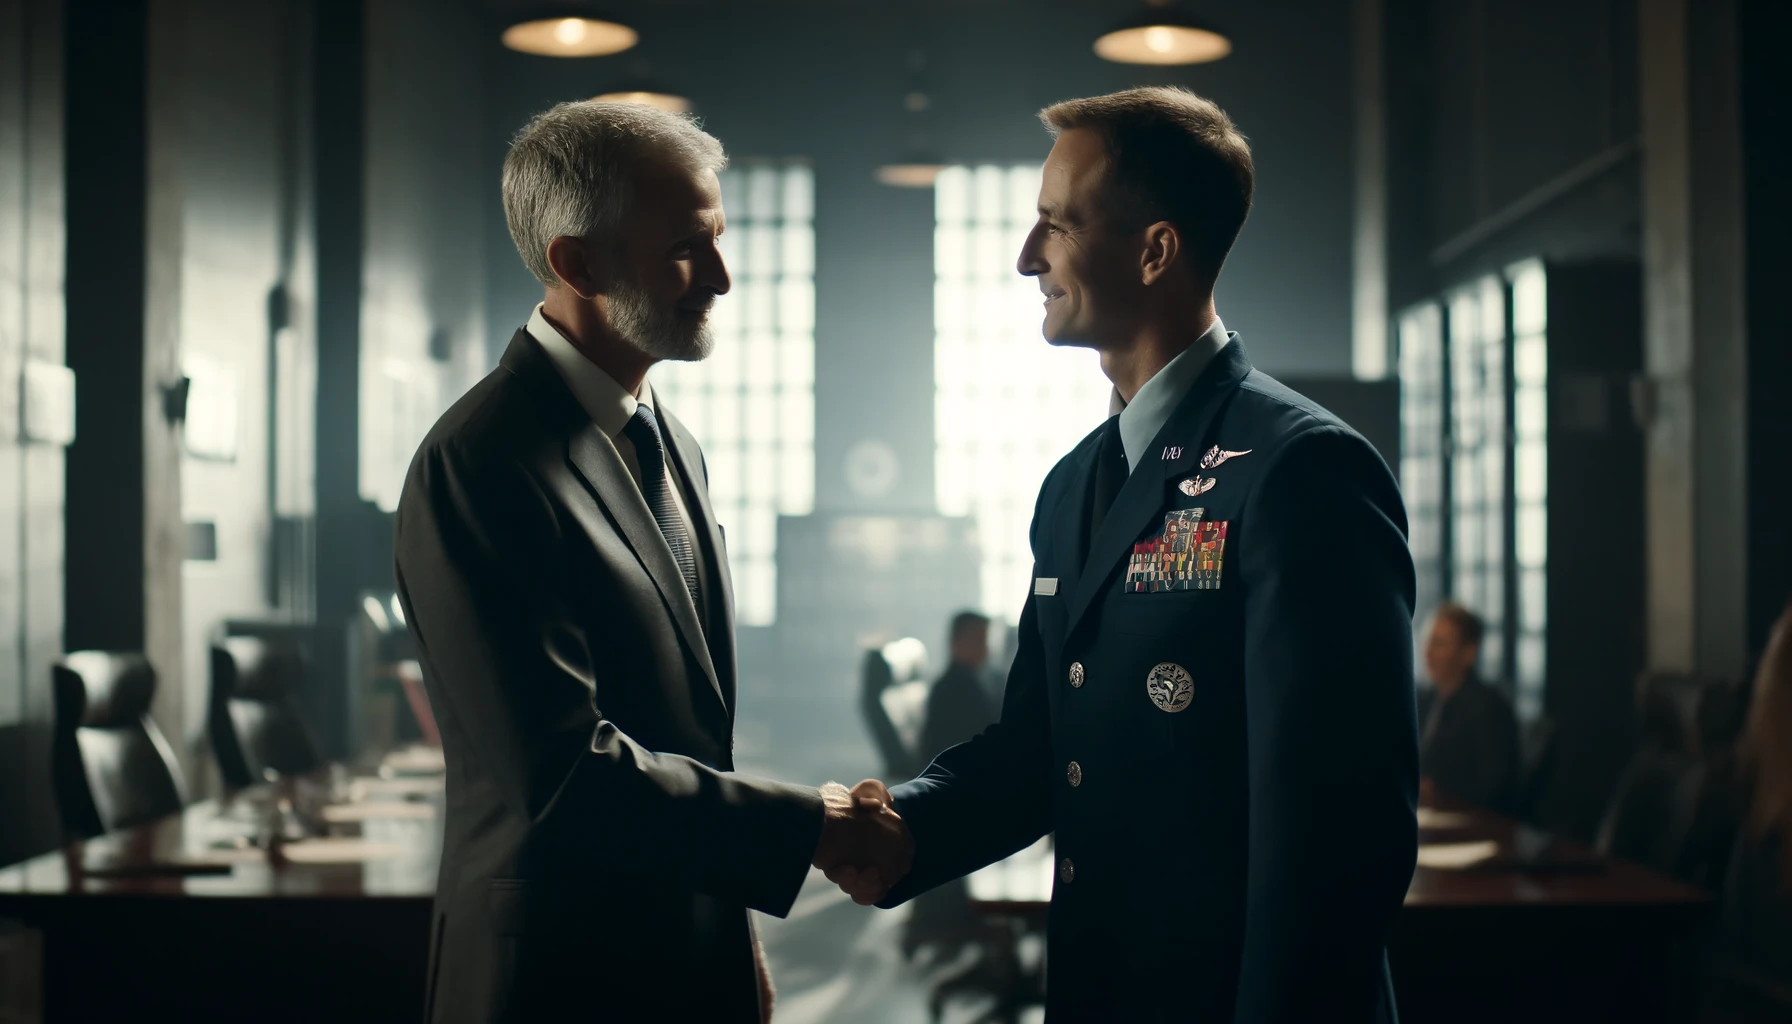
(918, 171)
(1163, 33)
(574, 33)
(647, 92)
(919, 165)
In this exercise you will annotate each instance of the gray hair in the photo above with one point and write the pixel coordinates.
(571, 170)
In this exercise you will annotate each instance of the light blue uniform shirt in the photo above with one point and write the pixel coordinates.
(1150, 409)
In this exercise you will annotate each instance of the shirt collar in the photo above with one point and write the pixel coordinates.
(608, 403)
(1150, 409)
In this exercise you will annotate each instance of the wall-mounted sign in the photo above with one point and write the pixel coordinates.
(47, 403)
(211, 429)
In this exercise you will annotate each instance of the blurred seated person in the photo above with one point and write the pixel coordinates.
(1468, 741)
(959, 705)
(1758, 892)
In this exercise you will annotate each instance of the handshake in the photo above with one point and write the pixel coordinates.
(865, 848)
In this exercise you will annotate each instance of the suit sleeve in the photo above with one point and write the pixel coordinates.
(984, 799)
(1331, 730)
(478, 552)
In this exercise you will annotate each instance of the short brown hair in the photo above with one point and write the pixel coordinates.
(1173, 156)
(1468, 625)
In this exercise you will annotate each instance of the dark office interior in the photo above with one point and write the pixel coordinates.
(1532, 250)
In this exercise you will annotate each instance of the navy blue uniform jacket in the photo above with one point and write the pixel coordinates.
(1219, 727)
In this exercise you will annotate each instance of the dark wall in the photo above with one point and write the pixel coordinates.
(1513, 133)
(1766, 129)
(31, 474)
(827, 81)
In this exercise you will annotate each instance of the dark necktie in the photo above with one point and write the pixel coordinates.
(1110, 476)
(650, 451)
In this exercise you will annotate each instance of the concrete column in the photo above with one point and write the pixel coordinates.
(1695, 344)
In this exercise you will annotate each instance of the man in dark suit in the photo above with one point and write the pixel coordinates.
(564, 577)
(1469, 744)
(1224, 743)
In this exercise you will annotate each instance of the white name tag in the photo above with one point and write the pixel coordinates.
(1045, 586)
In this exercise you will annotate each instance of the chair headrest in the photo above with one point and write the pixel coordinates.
(257, 669)
(103, 689)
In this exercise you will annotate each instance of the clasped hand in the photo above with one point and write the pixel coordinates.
(865, 848)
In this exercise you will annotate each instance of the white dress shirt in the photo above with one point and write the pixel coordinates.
(1157, 398)
(610, 406)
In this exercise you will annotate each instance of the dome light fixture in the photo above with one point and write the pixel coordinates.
(919, 172)
(647, 92)
(570, 36)
(1163, 33)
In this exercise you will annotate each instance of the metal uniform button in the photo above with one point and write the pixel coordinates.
(1074, 774)
(1076, 675)
(1066, 870)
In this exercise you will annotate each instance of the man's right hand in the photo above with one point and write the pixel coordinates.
(865, 848)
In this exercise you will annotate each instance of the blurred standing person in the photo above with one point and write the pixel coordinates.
(959, 705)
(564, 578)
(1468, 746)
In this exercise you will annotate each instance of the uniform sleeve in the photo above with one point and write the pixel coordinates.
(986, 798)
(478, 551)
(1331, 731)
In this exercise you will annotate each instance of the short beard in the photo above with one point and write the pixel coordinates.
(661, 333)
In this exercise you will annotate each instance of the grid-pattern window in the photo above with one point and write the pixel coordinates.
(1422, 408)
(751, 404)
(1478, 459)
(1530, 480)
(1006, 405)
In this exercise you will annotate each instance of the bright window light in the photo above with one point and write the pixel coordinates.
(1007, 406)
(751, 405)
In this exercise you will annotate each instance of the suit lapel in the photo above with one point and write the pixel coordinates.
(594, 459)
(687, 457)
(1142, 498)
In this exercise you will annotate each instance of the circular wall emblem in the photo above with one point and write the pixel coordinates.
(872, 468)
(1170, 687)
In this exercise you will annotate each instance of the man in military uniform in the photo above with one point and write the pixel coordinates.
(1231, 769)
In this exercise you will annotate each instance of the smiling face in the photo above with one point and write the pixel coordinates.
(1087, 264)
(670, 270)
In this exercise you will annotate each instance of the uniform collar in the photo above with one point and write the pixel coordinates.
(608, 403)
(1150, 408)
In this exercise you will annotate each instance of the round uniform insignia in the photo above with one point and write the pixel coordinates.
(1170, 687)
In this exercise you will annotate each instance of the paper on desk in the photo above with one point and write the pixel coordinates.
(332, 850)
(1456, 856)
(1431, 817)
(386, 810)
(415, 759)
(361, 789)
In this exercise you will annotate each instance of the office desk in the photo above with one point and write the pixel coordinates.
(270, 940)
(1534, 929)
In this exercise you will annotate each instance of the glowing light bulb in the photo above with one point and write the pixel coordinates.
(1159, 39)
(570, 31)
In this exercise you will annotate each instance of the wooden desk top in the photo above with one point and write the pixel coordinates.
(1514, 866)
(391, 851)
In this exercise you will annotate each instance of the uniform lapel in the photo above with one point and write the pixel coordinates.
(1142, 498)
(686, 455)
(1070, 514)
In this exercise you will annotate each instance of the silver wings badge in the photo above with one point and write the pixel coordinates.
(1217, 455)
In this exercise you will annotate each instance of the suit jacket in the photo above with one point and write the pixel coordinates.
(1224, 743)
(599, 856)
(1470, 747)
